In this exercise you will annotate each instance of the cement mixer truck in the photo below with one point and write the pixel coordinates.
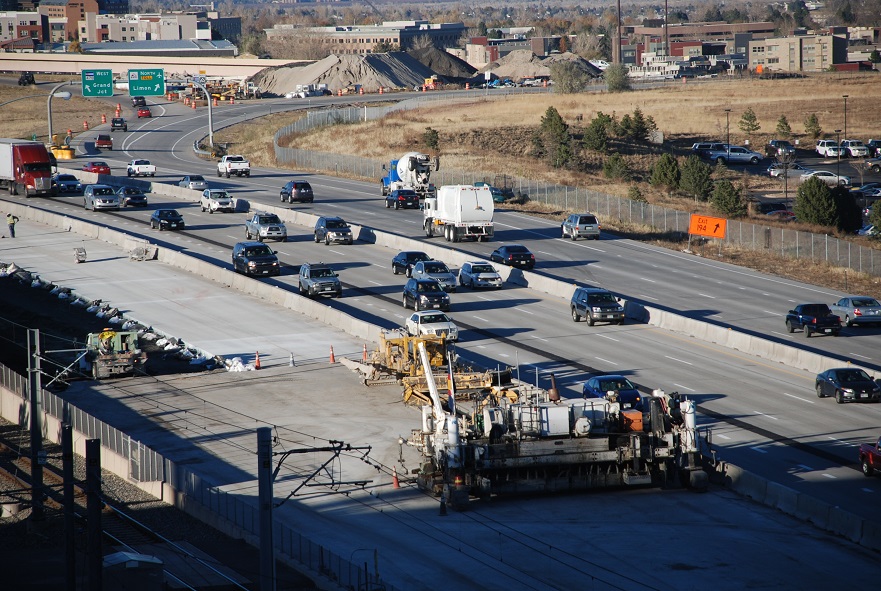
(411, 171)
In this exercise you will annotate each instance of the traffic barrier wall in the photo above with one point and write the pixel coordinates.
(845, 524)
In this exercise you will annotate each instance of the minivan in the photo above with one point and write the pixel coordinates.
(581, 225)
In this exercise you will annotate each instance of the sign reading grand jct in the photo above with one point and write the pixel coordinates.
(97, 82)
(146, 82)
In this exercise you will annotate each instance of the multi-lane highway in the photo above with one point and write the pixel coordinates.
(765, 416)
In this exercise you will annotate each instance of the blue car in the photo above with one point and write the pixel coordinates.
(599, 386)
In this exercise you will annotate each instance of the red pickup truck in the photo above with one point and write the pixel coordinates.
(870, 457)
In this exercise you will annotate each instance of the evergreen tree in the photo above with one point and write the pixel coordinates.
(615, 167)
(556, 138)
(814, 204)
(596, 136)
(749, 123)
(850, 216)
(875, 56)
(639, 130)
(875, 215)
(812, 126)
(431, 138)
(696, 180)
(783, 129)
(616, 78)
(666, 173)
(726, 200)
(634, 194)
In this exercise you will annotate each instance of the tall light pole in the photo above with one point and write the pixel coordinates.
(838, 166)
(844, 96)
(727, 135)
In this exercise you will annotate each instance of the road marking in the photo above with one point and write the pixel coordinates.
(481, 346)
(526, 311)
(803, 467)
(771, 313)
(847, 443)
(707, 296)
(858, 355)
(544, 253)
(541, 339)
(605, 361)
(486, 299)
(605, 336)
(232, 237)
(503, 355)
(338, 252)
(679, 360)
(483, 319)
(375, 282)
(798, 398)
(782, 334)
(683, 387)
(829, 476)
(721, 436)
(648, 297)
(761, 451)
(764, 415)
(647, 279)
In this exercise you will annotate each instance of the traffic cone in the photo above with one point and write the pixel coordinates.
(380, 90)
(332, 358)
(194, 104)
(364, 354)
(85, 125)
(118, 107)
(257, 361)
(232, 100)
(215, 101)
(103, 118)
(395, 482)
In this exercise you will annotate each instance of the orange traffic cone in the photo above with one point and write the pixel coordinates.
(364, 354)
(332, 358)
(257, 361)
(103, 118)
(395, 482)
(85, 125)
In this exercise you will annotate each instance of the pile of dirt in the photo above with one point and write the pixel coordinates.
(372, 71)
(444, 64)
(522, 63)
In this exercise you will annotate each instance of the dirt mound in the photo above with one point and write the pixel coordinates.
(387, 70)
(522, 63)
(442, 63)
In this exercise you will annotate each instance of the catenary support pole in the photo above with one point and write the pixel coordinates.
(36, 424)
(264, 481)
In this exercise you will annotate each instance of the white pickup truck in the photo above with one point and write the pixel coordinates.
(217, 200)
(140, 168)
(233, 165)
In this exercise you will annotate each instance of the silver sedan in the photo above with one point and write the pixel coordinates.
(858, 310)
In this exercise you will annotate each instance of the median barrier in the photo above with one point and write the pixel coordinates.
(781, 497)
(813, 510)
(871, 535)
(846, 524)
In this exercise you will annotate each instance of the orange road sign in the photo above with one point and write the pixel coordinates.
(702, 225)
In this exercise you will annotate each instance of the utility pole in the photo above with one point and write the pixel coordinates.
(264, 494)
(38, 456)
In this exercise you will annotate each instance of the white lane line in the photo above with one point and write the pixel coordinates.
(233, 237)
(542, 340)
(858, 355)
(847, 443)
(803, 467)
(483, 319)
(375, 282)
(721, 436)
(605, 336)
(503, 355)
(761, 451)
(829, 476)
(544, 253)
(342, 254)
(764, 415)
(526, 312)
(771, 313)
(683, 387)
(648, 297)
(706, 295)
(679, 360)
(486, 299)
(605, 361)
(481, 346)
(798, 398)
(782, 334)
(647, 279)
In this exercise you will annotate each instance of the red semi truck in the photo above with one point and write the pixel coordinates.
(25, 167)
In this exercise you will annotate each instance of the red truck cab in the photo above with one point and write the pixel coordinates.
(870, 457)
(25, 167)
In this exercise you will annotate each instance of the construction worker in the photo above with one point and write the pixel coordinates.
(11, 220)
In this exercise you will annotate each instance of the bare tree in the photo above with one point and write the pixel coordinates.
(299, 45)
(421, 42)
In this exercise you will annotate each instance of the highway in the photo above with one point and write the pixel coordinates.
(765, 416)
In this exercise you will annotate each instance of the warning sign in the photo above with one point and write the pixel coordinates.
(702, 225)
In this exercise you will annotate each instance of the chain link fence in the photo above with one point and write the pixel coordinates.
(747, 235)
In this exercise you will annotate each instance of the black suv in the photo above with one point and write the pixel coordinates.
(26, 79)
(299, 191)
(425, 294)
(404, 261)
(139, 101)
(118, 123)
(254, 258)
(333, 229)
(596, 304)
(319, 279)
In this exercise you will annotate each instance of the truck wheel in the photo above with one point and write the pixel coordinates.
(576, 317)
(302, 291)
(415, 305)
(203, 208)
(720, 160)
(868, 470)
(454, 234)
(13, 188)
(248, 174)
(428, 229)
(789, 327)
(219, 174)
(754, 160)
(807, 332)
(227, 174)
(397, 205)
(327, 240)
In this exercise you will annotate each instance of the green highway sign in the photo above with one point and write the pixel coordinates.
(97, 82)
(146, 82)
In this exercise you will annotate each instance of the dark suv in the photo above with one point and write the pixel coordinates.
(425, 294)
(319, 279)
(405, 260)
(596, 304)
(118, 123)
(333, 229)
(254, 258)
(299, 191)
(139, 101)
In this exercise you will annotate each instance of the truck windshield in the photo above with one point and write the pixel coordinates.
(38, 167)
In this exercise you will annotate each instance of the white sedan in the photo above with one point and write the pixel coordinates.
(830, 178)
(434, 323)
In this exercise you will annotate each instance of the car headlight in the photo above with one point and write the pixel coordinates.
(423, 298)
(596, 309)
(275, 263)
(847, 391)
(252, 264)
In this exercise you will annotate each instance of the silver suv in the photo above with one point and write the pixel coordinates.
(581, 225)
(476, 274)
(319, 279)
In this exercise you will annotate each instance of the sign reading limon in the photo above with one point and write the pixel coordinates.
(97, 82)
(702, 225)
(146, 82)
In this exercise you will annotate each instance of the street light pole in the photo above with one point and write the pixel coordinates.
(727, 135)
(844, 96)
(838, 166)
(49, 105)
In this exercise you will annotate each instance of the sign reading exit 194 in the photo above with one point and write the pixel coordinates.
(146, 82)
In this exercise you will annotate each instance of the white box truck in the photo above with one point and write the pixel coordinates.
(459, 212)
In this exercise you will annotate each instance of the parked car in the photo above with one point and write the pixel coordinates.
(476, 274)
(813, 318)
(333, 230)
(830, 178)
(437, 271)
(581, 225)
(853, 148)
(100, 197)
(144, 112)
(869, 230)
(193, 181)
(167, 219)
(596, 305)
(766, 207)
(848, 384)
(216, 200)
(873, 164)
(703, 148)
(600, 387)
(513, 255)
(118, 123)
(139, 101)
(403, 261)
(299, 191)
(432, 322)
(66, 183)
(777, 148)
(791, 170)
(254, 258)
(317, 279)
(782, 215)
(828, 148)
(103, 141)
(874, 148)
(865, 190)
(425, 294)
(131, 197)
(402, 199)
(858, 310)
(735, 154)
(97, 166)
